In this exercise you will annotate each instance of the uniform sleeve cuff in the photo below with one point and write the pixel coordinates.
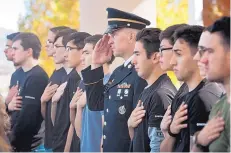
(92, 76)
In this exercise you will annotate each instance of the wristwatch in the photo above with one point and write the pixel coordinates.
(195, 141)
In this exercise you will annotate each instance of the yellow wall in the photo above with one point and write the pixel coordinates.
(170, 12)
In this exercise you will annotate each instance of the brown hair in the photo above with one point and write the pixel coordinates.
(55, 30)
(93, 40)
(149, 37)
(4, 127)
(190, 34)
(30, 40)
(78, 39)
(168, 33)
(64, 33)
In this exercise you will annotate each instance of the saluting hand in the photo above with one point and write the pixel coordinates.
(180, 116)
(211, 131)
(49, 92)
(136, 116)
(77, 95)
(165, 123)
(59, 92)
(102, 52)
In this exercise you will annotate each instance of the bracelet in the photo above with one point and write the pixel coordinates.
(171, 134)
(201, 147)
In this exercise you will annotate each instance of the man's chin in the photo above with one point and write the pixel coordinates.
(214, 79)
(16, 64)
(9, 59)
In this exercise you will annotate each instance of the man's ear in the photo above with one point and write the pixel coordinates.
(30, 52)
(155, 57)
(132, 36)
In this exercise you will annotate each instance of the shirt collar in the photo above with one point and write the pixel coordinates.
(128, 61)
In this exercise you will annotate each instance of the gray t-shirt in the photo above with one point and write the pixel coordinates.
(210, 94)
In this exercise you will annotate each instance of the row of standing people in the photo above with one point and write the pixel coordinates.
(131, 103)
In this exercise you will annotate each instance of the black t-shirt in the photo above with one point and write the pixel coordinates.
(16, 77)
(27, 122)
(62, 119)
(56, 78)
(75, 143)
(81, 85)
(210, 93)
(197, 115)
(156, 99)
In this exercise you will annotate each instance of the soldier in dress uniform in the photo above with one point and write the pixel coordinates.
(119, 96)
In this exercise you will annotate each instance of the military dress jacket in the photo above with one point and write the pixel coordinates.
(117, 98)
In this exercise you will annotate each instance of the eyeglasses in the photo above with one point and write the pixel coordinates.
(163, 49)
(49, 42)
(57, 46)
(68, 48)
(8, 47)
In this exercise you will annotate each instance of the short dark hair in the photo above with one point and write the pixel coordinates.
(190, 34)
(169, 31)
(93, 40)
(64, 33)
(78, 39)
(222, 26)
(30, 40)
(12, 36)
(55, 30)
(149, 37)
